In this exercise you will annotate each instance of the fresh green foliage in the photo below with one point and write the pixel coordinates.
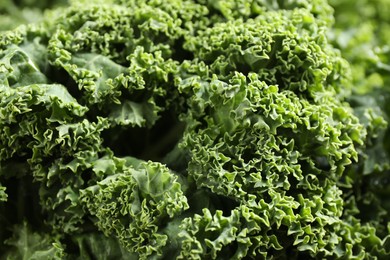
(16, 12)
(196, 129)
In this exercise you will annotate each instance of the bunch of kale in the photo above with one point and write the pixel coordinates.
(196, 129)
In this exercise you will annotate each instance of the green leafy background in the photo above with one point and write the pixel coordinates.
(194, 129)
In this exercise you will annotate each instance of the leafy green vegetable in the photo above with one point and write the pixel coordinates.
(195, 129)
(16, 12)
